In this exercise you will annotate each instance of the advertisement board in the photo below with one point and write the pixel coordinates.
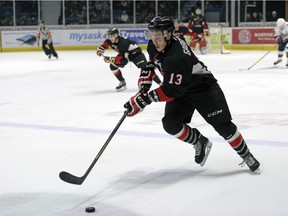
(86, 37)
(137, 35)
(18, 38)
(80, 37)
(255, 36)
(239, 38)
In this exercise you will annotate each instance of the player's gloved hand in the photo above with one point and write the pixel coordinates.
(100, 51)
(137, 103)
(199, 37)
(145, 79)
(279, 39)
(110, 60)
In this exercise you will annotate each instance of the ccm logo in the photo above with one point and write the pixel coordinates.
(142, 101)
(214, 113)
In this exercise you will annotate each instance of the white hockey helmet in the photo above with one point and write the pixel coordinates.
(281, 23)
(198, 11)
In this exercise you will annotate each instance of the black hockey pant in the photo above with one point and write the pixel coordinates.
(211, 105)
(51, 49)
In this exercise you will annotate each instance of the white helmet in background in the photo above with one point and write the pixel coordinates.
(281, 23)
(198, 11)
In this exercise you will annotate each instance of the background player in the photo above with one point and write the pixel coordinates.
(47, 42)
(187, 86)
(199, 29)
(180, 31)
(281, 36)
(127, 51)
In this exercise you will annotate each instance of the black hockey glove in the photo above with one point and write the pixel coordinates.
(100, 51)
(110, 60)
(145, 79)
(200, 37)
(137, 103)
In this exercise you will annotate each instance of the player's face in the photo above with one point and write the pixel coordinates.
(158, 40)
(176, 25)
(112, 38)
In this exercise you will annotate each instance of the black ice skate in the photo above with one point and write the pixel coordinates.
(202, 149)
(278, 61)
(251, 162)
(49, 56)
(122, 86)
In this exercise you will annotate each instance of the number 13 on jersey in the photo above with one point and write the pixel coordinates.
(175, 79)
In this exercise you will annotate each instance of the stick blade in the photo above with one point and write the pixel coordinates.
(244, 69)
(69, 178)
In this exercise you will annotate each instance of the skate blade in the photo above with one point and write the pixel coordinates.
(208, 149)
(121, 89)
(257, 171)
(277, 62)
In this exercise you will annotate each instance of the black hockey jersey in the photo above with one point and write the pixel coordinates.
(181, 32)
(183, 73)
(123, 46)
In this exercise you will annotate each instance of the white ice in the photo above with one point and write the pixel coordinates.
(55, 115)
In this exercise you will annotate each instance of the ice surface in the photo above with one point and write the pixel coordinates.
(55, 115)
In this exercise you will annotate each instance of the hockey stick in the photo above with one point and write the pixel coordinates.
(111, 62)
(259, 59)
(69, 178)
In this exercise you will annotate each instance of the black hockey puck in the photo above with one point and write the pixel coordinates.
(90, 209)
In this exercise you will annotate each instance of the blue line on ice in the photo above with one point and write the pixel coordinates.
(125, 133)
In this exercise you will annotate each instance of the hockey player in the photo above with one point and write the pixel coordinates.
(47, 42)
(199, 29)
(127, 51)
(180, 31)
(187, 86)
(281, 36)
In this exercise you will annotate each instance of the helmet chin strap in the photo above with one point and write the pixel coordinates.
(166, 35)
(116, 39)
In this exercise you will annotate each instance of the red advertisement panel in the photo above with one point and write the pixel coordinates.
(253, 36)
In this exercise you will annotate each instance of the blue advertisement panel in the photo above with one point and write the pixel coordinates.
(69, 37)
(137, 35)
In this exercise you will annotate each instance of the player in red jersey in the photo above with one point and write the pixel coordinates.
(199, 28)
